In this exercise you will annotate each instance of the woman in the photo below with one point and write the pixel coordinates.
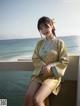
(50, 62)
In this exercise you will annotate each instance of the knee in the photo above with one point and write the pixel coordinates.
(37, 101)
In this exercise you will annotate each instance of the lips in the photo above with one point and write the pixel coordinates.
(46, 33)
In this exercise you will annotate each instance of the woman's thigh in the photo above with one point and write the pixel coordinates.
(46, 89)
(42, 93)
(32, 88)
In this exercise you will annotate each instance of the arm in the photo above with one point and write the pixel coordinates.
(36, 59)
(58, 68)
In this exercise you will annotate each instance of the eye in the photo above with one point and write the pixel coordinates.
(46, 25)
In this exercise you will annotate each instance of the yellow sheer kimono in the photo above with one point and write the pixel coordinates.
(51, 52)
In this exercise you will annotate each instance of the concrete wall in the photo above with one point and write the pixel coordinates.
(71, 72)
(69, 94)
(78, 85)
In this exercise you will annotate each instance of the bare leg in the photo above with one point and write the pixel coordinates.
(41, 95)
(33, 87)
(43, 92)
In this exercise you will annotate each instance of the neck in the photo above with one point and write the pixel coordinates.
(50, 37)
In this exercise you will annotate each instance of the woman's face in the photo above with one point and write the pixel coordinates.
(46, 29)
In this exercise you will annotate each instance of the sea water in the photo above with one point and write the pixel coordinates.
(22, 49)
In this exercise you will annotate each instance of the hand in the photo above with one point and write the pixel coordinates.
(46, 68)
(45, 71)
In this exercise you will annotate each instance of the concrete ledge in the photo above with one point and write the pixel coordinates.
(72, 69)
(78, 86)
(69, 91)
(67, 95)
(71, 72)
(25, 66)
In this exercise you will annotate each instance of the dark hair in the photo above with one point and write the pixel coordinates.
(45, 20)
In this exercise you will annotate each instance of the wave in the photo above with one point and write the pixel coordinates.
(22, 49)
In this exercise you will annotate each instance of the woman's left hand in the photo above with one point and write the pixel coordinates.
(46, 70)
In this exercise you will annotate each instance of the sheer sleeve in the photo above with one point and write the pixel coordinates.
(36, 59)
(58, 68)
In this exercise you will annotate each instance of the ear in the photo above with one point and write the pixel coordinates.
(53, 27)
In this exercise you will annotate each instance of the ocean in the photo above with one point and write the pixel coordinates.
(22, 49)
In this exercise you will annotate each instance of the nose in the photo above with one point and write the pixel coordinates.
(44, 31)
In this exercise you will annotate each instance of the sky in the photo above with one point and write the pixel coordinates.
(18, 18)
